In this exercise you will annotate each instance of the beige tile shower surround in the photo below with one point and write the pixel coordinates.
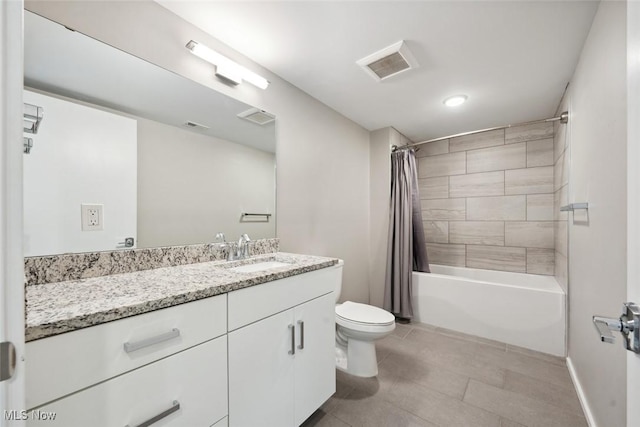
(488, 199)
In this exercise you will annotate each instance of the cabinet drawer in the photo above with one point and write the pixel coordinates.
(196, 379)
(258, 302)
(65, 363)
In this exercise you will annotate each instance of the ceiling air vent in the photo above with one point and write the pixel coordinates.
(194, 125)
(389, 61)
(257, 116)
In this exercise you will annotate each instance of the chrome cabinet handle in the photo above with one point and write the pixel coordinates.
(164, 414)
(137, 345)
(292, 328)
(301, 346)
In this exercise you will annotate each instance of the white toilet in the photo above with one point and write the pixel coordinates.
(358, 326)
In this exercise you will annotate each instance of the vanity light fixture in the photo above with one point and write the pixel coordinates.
(225, 67)
(454, 101)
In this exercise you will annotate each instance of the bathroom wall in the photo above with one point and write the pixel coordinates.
(80, 155)
(487, 199)
(380, 189)
(597, 99)
(183, 192)
(633, 189)
(323, 157)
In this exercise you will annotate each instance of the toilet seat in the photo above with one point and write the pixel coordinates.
(358, 316)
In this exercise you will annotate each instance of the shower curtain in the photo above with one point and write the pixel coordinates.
(406, 250)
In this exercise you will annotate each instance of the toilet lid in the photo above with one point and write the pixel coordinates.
(364, 313)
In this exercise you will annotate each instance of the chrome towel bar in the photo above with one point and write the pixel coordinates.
(256, 214)
(574, 206)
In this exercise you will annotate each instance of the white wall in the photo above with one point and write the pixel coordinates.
(80, 155)
(12, 307)
(380, 190)
(597, 242)
(633, 192)
(322, 157)
(191, 186)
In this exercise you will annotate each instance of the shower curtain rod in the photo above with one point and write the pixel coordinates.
(562, 118)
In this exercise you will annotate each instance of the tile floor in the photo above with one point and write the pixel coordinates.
(435, 377)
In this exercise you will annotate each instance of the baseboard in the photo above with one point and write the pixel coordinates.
(581, 396)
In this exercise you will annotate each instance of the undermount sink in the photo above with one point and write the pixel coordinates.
(259, 266)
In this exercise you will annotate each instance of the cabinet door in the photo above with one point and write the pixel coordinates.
(261, 373)
(315, 361)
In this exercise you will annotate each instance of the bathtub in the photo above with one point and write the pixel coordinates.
(525, 310)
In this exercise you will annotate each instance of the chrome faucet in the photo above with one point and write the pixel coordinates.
(241, 251)
(243, 247)
(220, 238)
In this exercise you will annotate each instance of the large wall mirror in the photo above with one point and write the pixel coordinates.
(127, 149)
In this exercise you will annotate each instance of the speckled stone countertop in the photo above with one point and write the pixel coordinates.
(56, 308)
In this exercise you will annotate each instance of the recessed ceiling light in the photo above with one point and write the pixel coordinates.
(454, 101)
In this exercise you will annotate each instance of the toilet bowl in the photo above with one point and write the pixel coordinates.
(358, 326)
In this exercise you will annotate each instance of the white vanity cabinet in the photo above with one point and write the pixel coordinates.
(263, 355)
(282, 365)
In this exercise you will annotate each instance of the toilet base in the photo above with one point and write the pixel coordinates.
(357, 358)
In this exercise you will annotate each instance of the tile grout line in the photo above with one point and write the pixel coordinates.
(332, 412)
(466, 388)
(480, 407)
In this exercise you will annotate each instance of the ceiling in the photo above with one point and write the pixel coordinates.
(512, 58)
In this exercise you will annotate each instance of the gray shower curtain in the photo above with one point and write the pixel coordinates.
(406, 250)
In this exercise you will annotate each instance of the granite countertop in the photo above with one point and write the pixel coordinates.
(56, 308)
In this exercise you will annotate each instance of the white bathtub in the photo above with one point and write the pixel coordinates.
(526, 310)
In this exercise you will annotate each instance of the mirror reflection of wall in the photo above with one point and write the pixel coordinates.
(182, 185)
(83, 156)
(189, 185)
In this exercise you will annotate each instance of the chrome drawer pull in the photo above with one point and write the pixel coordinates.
(301, 346)
(293, 339)
(133, 346)
(150, 421)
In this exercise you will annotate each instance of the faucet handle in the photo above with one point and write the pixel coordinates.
(220, 238)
